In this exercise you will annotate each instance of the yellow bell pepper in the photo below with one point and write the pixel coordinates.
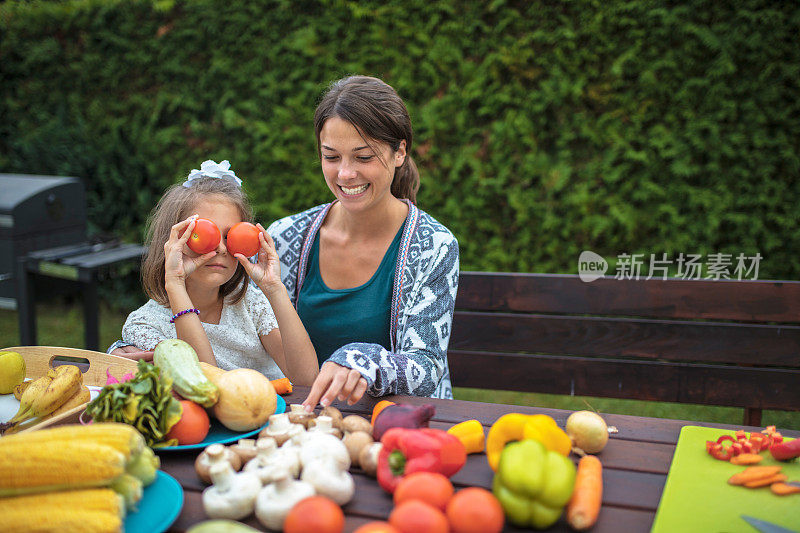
(507, 428)
(471, 435)
(544, 429)
(517, 426)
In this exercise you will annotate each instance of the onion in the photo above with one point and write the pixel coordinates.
(588, 431)
(246, 399)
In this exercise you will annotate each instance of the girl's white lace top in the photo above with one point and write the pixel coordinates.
(235, 340)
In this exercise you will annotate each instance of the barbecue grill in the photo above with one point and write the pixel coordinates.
(36, 213)
(43, 243)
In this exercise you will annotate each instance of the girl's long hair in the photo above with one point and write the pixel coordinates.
(177, 204)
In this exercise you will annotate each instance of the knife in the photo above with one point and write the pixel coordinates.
(765, 527)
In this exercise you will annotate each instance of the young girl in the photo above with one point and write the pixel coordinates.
(206, 300)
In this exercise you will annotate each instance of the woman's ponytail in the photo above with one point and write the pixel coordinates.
(406, 180)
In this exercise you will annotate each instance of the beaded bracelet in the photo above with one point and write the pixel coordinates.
(172, 320)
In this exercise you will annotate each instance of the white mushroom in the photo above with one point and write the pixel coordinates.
(368, 458)
(271, 460)
(354, 442)
(232, 495)
(276, 499)
(318, 445)
(352, 423)
(324, 424)
(212, 454)
(278, 428)
(245, 449)
(329, 480)
(299, 415)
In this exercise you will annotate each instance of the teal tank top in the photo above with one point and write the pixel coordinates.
(335, 317)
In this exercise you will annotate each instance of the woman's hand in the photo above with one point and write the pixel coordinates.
(335, 381)
(266, 273)
(179, 260)
(132, 352)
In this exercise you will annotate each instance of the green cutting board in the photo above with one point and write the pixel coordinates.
(698, 498)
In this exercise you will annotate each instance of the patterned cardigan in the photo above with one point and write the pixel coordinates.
(423, 299)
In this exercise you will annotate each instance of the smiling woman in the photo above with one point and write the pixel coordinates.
(372, 276)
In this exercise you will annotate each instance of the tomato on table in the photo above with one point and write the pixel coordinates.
(205, 236)
(242, 239)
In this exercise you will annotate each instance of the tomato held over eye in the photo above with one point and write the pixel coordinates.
(205, 236)
(243, 239)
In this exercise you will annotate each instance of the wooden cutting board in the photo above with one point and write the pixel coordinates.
(40, 359)
(698, 498)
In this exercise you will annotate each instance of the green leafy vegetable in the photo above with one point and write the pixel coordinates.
(144, 402)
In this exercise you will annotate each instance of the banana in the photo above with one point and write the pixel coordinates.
(35, 389)
(79, 398)
(48, 393)
(19, 389)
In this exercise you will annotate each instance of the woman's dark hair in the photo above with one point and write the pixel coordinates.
(379, 114)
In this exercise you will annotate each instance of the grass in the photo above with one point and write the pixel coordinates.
(61, 324)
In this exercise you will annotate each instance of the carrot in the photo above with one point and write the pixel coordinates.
(380, 406)
(584, 506)
(752, 473)
(746, 459)
(782, 489)
(282, 386)
(756, 483)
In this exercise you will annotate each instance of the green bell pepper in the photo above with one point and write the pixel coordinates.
(533, 483)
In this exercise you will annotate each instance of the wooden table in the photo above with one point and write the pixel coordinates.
(636, 461)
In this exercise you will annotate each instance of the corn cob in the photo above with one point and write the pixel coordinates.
(144, 466)
(122, 437)
(130, 488)
(62, 521)
(57, 465)
(36, 505)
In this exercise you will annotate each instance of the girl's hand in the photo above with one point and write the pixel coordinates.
(335, 381)
(266, 273)
(179, 260)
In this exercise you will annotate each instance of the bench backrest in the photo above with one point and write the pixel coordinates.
(731, 343)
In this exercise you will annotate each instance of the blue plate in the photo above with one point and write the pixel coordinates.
(160, 505)
(220, 434)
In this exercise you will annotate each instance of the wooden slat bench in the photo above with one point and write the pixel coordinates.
(728, 343)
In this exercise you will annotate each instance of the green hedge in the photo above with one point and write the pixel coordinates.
(543, 128)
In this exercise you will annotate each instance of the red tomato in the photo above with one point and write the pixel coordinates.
(205, 236)
(193, 425)
(243, 239)
(315, 514)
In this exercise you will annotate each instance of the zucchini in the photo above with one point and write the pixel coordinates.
(178, 360)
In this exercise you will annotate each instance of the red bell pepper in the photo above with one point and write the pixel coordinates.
(406, 451)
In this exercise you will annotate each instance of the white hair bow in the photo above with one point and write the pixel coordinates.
(210, 169)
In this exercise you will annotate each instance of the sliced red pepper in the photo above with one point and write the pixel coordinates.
(721, 453)
(741, 435)
(759, 441)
